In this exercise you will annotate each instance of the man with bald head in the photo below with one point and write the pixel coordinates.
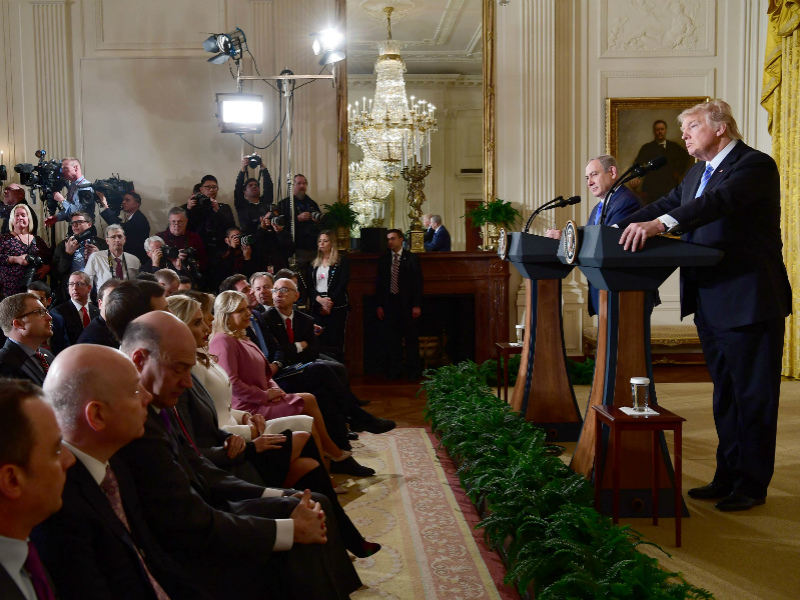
(99, 545)
(234, 538)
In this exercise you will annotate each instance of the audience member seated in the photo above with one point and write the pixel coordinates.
(78, 311)
(177, 236)
(184, 283)
(72, 255)
(208, 218)
(26, 325)
(237, 257)
(328, 277)
(167, 279)
(130, 300)
(236, 540)
(97, 331)
(250, 203)
(34, 470)
(440, 241)
(261, 283)
(45, 295)
(15, 194)
(16, 248)
(112, 263)
(136, 226)
(99, 544)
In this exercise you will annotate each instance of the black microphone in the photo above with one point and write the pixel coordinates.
(569, 202)
(653, 165)
(540, 209)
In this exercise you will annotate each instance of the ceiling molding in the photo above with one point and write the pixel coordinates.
(432, 56)
(424, 81)
(448, 20)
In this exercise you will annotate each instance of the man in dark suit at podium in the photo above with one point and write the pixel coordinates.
(601, 173)
(730, 200)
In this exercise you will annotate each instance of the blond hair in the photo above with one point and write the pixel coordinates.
(224, 306)
(334, 259)
(716, 112)
(28, 212)
(185, 308)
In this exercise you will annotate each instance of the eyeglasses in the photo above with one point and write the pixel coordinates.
(119, 236)
(76, 284)
(209, 187)
(78, 222)
(39, 312)
(282, 290)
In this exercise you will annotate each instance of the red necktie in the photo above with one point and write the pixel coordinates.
(85, 317)
(118, 272)
(34, 567)
(42, 360)
(289, 330)
(183, 428)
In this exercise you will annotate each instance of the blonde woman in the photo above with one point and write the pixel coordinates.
(15, 248)
(329, 276)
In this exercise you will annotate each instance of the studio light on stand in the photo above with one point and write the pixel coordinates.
(240, 113)
(227, 45)
(328, 43)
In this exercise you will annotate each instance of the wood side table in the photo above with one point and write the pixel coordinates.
(505, 350)
(617, 422)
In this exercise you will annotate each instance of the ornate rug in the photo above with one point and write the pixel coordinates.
(428, 549)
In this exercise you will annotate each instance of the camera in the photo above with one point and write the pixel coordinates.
(29, 274)
(84, 236)
(44, 176)
(277, 221)
(114, 189)
(316, 216)
(254, 161)
(247, 240)
(203, 201)
(170, 251)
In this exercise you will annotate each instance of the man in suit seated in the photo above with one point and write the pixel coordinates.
(71, 255)
(33, 465)
(601, 173)
(99, 545)
(45, 295)
(235, 539)
(27, 325)
(98, 332)
(261, 283)
(130, 300)
(77, 312)
(440, 240)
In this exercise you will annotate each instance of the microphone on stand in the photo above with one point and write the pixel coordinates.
(538, 210)
(636, 170)
(555, 203)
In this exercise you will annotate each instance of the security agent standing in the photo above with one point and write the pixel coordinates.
(136, 226)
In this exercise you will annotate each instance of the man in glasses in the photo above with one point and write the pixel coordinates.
(78, 311)
(208, 218)
(27, 325)
(73, 252)
(112, 263)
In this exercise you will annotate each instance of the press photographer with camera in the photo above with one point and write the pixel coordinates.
(13, 195)
(250, 202)
(80, 195)
(208, 218)
(307, 216)
(190, 247)
(23, 256)
(237, 258)
(135, 226)
(160, 258)
(72, 253)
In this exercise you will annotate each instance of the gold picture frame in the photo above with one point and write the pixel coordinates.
(629, 126)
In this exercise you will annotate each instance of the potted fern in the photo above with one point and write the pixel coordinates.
(341, 217)
(491, 217)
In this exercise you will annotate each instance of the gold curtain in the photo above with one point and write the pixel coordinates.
(780, 96)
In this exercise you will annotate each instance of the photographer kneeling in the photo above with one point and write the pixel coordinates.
(72, 253)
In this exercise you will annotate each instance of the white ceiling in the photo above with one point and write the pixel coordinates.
(439, 36)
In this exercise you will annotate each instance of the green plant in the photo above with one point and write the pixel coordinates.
(580, 373)
(339, 214)
(541, 511)
(498, 212)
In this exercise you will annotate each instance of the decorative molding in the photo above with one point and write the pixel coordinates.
(102, 44)
(657, 28)
(421, 56)
(707, 76)
(475, 43)
(373, 9)
(448, 20)
(423, 81)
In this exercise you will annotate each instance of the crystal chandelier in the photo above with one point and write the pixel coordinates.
(369, 187)
(393, 129)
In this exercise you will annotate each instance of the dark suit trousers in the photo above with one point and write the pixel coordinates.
(399, 326)
(745, 366)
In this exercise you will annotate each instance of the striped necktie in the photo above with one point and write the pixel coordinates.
(394, 288)
(704, 181)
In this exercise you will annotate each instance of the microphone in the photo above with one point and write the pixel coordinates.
(635, 171)
(568, 202)
(538, 210)
(554, 203)
(653, 165)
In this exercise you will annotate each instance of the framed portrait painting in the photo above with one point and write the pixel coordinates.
(639, 129)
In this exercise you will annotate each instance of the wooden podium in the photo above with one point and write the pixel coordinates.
(543, 392)
(627, 282)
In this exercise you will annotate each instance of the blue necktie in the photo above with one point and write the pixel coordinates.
(598, 213)
(704, 181)
(259, 336)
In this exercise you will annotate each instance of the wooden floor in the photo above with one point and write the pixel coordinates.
(401, 402)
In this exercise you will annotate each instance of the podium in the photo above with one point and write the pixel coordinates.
(543, 392)
(627, 282)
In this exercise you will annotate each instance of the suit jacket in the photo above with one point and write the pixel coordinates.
(9, 589)
(98, 333)
(659, 182)
(409, 280)
(137, 230)
(14, 363)
(73, 322)
(62, 262)
(102, 560)
(338, 280)
(739, 213)
(303, 327)
(440, 242)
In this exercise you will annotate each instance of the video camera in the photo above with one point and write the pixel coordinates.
(114, 189)
(44, 176)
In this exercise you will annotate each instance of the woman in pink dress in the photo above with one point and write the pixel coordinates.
(254, 390)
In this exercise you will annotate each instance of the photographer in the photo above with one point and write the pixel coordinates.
(156, 260)
(208, 218)
(191, 249)
(237, 258)
(136, 225)
(80, 195)
(306, 221)
(250, 203)
(13, 195)
(22, 254)
(72, 253)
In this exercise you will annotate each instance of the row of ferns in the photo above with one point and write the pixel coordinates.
(540, 512)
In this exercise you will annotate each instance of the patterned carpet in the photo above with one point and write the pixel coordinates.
(428, 550)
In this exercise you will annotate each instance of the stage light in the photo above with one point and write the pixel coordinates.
(240, 113)
(330, 44)
(228, 45)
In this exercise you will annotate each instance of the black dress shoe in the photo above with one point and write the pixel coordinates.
(349, 466)
(738, 501)
(361, 402)
(352, 435)
(373, 425)
(712, 491)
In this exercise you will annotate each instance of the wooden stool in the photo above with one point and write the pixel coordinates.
(505, 349)
(618, 422)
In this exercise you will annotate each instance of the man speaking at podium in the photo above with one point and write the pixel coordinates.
(730, 200)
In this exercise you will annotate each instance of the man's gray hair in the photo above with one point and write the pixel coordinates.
(716, 112)
(436, 219)
(149, 241)
(258, 274)
(606, 161)
(141, 335)
(69, 397)
(177, 210)
(112, 228)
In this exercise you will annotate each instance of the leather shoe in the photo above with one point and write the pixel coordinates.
(349, 466)
(374, 425)
(352, 435)
(738, 501)
(361, 402)
(712, 491)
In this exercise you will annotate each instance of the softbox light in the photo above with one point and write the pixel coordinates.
(240, 113)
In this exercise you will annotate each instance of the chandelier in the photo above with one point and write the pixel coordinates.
(392, 128)
(369, 187)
